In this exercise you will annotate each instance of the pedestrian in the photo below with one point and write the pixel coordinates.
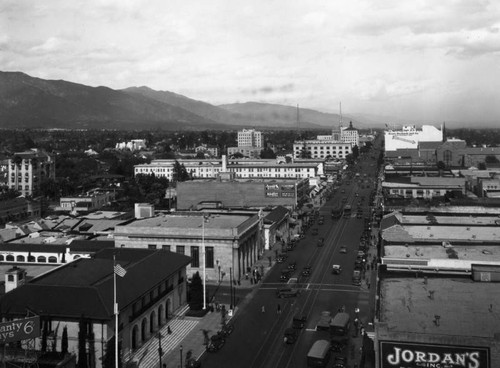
(278, 310)
(169, 331)
(263, 309)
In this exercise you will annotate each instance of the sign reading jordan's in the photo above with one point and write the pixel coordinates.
(415, 355)
(20, 329)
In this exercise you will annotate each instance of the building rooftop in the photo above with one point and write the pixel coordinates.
(463, 306)
(192, 220)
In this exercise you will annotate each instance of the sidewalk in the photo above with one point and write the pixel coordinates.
(187, 332)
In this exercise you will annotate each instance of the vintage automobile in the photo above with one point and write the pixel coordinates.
(287, 292)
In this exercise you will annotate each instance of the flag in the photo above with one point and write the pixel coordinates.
(120, 271)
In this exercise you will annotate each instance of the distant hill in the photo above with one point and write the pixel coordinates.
(31, 102)
(281, 116)
(37, 103)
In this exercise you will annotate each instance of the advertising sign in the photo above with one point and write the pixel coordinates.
(20, 329)
(288, 194)
(288, 187)
(415, 355)
(272, 194)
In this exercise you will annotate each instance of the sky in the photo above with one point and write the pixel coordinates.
(422, 60)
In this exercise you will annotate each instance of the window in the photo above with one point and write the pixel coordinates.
(179, 249)
(151, 246)
(209, 255)
(10, 278)
(195, 256)
(165, 247)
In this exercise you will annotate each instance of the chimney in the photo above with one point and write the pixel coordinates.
(224, 163)
(14, 278)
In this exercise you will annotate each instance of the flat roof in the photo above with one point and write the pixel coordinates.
(469, 253)
(461, 304)
(475, 219)
(214, 221)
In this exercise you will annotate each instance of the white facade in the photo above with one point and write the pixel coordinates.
(28, 169)
(321, 149)
(350, 135)
(409, 137)
(133, 145)
(201, 169)
(249, 138)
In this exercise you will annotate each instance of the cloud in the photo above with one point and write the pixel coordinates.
(265, 90)
(383, 90)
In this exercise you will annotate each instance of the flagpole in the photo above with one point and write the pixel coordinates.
(204, 262)
(115, 306)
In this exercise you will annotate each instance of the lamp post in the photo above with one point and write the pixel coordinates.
(160, 352)
(180, 350)
(204, 262)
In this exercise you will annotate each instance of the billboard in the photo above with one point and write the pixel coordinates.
(20, 329)
(415, 355)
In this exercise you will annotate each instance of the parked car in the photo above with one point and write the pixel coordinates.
(281, 258)
(339, 362)
(356, 278)
(343, 249)
(321, 242)
(292, 265)
(287, 292)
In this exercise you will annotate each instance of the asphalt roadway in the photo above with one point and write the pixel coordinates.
(257, 340)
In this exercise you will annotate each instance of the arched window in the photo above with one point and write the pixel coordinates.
(10, 258)
(41, 259)
(20, 259)
(52, 259)
(447, 157)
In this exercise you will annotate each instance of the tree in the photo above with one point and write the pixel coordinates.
(109, 358)
(355, 152)
(64, 341)
(441, 165)
(267, 153)
(491, 159)
(82, 344)
(196, 293)
(481, 166)
(200, 155)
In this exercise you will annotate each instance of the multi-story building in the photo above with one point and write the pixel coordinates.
(246, 151)
(243, 193)
(350, 135)
(250, 138)
(335, 146)
(28, 169)
(242, 169)
(321, 149)
(81, 294)
(408, 137)
(86, 202)
(133, 145)
(231, 241)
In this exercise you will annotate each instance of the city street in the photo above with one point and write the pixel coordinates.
(257, 340)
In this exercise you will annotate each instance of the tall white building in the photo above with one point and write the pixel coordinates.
(408, 137)
(250, 138)
(350, 135)
(28, 169)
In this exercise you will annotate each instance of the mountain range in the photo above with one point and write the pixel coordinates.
(29, 102)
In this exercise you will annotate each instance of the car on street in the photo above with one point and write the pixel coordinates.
(343, 249)
(299, 322)
(306, 271)
(287, 292)
(339, 362)
(290, 335)
(356, 278)
(324, 321)
(292, 265)
(336, 269)
(285, 275)
(281, 258)
(321, 242)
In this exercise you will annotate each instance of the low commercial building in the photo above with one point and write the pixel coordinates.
(437, 322)
(422, 187)
(232, 242)
(240, 193)
(86, 202)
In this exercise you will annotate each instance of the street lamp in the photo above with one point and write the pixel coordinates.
(180, 350)
(160, 352)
